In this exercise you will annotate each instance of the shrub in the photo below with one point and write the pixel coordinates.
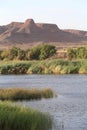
(46, 51)
(13, 53)
(78, 53)
(41, 52)
(71, 53)
(19, 68)
(81, 53)
(34, 53)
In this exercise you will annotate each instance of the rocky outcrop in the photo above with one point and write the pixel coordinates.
(31, 27)
(48, 27)
(77, 32)
(31, 32)
(28, 27)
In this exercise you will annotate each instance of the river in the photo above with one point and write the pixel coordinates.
(68, 110)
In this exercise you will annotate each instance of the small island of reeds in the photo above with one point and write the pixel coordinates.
(15, 94)
(13, 117)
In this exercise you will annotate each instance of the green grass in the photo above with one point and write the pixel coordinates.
(55, 66)
(25, 94)
(13, 117)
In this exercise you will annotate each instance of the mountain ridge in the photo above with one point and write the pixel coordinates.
(29, 32)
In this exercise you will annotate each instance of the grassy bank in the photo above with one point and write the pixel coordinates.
(21, 118)
(25, 94)
(55, 66)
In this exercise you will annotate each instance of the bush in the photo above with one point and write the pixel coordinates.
(46, 51)
(13, 53)
(41, 52)
(79, 53)
(71, 53)
(34, 53)
(19, 68)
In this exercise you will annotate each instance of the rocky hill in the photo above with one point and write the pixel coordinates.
(30, 33)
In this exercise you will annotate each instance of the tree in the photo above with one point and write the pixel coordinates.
(71, 53)
(81, 53)
(21, 54)
(4, 54)
(13, 53)
(34, 53)
(47, 51)
(41, 52)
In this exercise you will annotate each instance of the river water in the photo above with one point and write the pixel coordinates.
(68, 110)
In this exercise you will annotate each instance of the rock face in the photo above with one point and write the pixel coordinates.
(31, 32)
(28, 27)
(48, 27)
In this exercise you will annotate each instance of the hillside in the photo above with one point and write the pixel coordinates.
(29, 33)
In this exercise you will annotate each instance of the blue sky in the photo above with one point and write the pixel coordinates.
(65, 13)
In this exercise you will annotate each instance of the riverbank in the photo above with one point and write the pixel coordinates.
(54, 66)
(21, 118)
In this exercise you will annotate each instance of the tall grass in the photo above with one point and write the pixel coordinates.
(21, 118)
(25, 94)
(54, 66)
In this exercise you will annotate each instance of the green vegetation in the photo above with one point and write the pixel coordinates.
(13, 53)
(55, 66)
(35, 61)
(39, 52)
(13, 117)
(25, 94)
(77, 53)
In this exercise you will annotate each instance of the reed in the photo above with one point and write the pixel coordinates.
(13, 117)
(25, 94)
(55, 66)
